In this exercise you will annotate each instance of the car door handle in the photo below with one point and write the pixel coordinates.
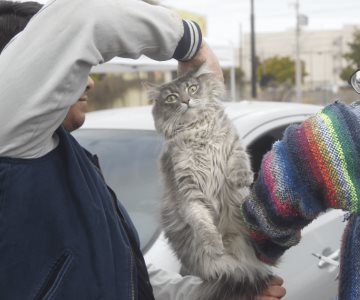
(331, 259)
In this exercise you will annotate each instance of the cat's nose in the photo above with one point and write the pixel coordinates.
(186, 101)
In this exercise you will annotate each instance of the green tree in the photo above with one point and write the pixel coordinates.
(352, 57)
(239, 75)
(275, 71)
(346, 72)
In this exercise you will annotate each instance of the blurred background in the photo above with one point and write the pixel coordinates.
(291, 51)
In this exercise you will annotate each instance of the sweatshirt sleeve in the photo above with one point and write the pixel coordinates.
(45, 67)
(313, 168)
(167, 285)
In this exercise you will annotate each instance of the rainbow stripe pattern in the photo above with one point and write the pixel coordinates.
(316, 166)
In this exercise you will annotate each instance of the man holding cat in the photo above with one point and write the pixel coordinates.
(64, 234)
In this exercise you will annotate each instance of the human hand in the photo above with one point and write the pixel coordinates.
(204, 54)
(274, 291)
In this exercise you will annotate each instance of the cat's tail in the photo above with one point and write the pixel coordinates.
(228, 289)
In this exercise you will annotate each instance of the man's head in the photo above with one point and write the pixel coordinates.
(76, 114)
(14, 17)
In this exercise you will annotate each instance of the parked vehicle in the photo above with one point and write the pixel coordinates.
(128, 148)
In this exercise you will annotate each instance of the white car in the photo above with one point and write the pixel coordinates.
(128, 148)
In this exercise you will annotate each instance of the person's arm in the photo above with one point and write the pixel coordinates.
(45, 68)
(313, 168)
(168, 285)
(172, 286)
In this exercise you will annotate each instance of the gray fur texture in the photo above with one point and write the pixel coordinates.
(207, 174)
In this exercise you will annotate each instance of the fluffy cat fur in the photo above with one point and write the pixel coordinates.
(206, 173)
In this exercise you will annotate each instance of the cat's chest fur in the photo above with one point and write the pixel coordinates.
(203, 152)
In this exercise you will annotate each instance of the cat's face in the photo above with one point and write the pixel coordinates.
(182, 94)
(185, 100)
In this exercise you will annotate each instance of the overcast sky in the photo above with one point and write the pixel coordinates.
(226, 17)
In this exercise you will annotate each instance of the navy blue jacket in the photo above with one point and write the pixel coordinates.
(63, 235)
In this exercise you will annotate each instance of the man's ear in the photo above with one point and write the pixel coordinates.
(152, 90)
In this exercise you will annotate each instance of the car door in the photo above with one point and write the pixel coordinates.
(307, 277)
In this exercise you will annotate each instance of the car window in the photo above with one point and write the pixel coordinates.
(129, 160)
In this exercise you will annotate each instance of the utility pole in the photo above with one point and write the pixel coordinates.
(297, 56)
(241, 66)
(253, 51)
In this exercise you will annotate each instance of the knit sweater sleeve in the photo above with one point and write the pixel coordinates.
(313, 168)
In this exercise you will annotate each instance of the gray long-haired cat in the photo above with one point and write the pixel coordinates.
(207, 174)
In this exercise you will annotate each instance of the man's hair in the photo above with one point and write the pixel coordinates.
(14, 16)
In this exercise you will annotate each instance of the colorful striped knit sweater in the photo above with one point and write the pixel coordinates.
(314, 167)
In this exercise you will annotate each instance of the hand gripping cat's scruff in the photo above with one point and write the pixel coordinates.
(207, 174)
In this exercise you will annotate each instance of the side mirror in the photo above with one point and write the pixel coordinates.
(354, 81)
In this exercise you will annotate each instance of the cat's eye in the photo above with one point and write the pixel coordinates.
(192, 89)
(172, 98)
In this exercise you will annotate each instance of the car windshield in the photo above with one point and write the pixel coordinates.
(129, 160)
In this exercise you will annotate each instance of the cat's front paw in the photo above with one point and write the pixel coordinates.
(212, 244)
(214, 247)
(221, 266)
(242, 178)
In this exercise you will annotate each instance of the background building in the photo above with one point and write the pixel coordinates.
(321, 51)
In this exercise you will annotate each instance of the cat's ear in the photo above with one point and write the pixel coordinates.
(202, 70)
(152, 90)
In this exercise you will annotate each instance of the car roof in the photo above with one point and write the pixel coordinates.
(249, 111)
